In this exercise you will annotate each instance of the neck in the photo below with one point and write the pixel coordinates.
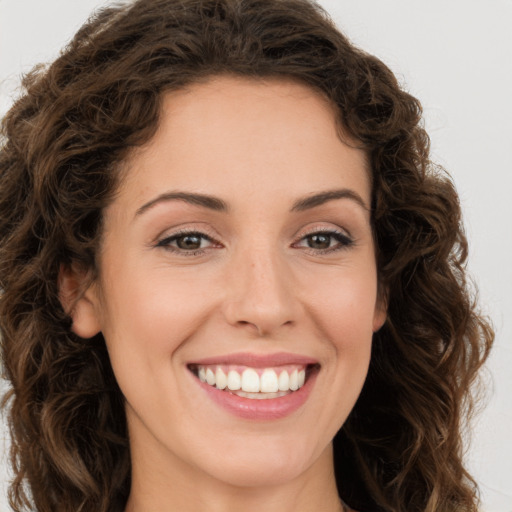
(176, 486)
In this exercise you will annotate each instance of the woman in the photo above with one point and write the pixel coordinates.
(232, 279)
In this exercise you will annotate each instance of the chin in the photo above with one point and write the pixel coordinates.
(262, 475)
(265, 464)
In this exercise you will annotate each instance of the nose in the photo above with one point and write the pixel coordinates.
(260, 293)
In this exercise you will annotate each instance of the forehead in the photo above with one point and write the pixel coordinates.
(235, 133)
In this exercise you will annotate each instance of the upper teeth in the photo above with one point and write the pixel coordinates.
(265, 380)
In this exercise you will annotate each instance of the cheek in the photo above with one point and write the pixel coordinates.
(345, 305)
(343, 308)
(152, 314)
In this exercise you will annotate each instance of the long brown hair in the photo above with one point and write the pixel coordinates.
(63, 142)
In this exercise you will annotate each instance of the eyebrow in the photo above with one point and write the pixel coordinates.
(324, 197)
(206, 201)
(217, 204)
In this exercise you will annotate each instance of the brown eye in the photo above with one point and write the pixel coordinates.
(323, 242)
(319, 241)
(189, 242)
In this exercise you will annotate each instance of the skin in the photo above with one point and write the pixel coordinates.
(255, 285)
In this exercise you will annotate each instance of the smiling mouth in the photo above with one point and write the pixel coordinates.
(255, 383)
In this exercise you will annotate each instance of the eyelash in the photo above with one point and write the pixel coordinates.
(165, 243)
(343, 242)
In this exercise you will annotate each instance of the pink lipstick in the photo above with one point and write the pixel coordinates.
(255, 386)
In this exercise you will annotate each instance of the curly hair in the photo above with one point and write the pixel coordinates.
(63, 143)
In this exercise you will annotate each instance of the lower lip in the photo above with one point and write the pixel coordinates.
(264, 409)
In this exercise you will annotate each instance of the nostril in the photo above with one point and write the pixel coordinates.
(263, 313)
(262, 329)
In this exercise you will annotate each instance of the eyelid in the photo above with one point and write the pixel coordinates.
(345, 240)
(186, 229)
(175, 236)
(324, 228)
(163, 240)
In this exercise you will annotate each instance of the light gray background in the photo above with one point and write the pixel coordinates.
(455, 55)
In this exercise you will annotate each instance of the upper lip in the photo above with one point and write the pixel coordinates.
(257, 360)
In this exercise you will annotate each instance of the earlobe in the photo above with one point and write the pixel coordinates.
(79, 300)
(381, 311)
(379, 318)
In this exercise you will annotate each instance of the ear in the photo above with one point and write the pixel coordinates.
(381, 310)
(79, 300)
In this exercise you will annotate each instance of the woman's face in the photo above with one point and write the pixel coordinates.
(238, 252)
